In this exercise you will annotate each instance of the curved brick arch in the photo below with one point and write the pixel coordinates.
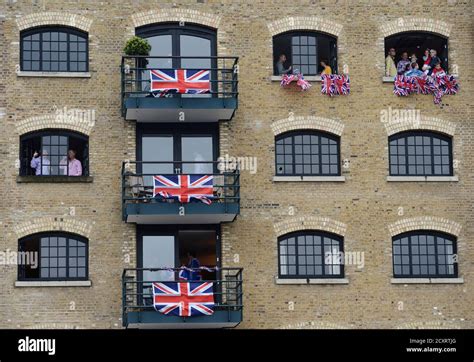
(175, 15)
(54, 18)
(310, 223)
(81, 121)
(425, 223)
(424, 123)
(38, 225)
(406, 24)
(315, 123)
(304, 23)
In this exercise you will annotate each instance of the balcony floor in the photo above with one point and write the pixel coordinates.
(169, 213)
(156, 320)
(149, 109)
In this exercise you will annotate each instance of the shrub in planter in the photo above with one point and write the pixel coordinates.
(137, 46)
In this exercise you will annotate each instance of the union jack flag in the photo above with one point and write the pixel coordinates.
(184, 299)
(184, 188)
(334, 84)
(189, 81)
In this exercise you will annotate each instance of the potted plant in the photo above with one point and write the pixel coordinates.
(137, 46)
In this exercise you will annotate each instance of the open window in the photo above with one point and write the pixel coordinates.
(54, 49)
(53, 256)
(45, 153)
(417, 43)
(304, 51)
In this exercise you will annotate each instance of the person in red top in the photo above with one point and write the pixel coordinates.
(426, 61)
(437, 69)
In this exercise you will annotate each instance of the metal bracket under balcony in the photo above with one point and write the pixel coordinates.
(138, 310)
(154, 92)
(142, 205)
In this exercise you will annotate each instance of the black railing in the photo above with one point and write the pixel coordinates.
(137, 179)
(137, 293)
(223, 75)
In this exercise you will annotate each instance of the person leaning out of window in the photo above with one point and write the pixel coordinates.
(70, 165)
(280, 65)
(40, 163)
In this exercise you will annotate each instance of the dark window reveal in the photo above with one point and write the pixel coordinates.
(57, 49)
(58, 256)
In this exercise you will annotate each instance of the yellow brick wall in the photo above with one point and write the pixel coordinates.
(366, 209)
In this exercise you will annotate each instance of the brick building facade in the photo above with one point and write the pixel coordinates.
(362, 205)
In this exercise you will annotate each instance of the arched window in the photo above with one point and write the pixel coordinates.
(45, 153)
(53, 256)
(307, 152)
(416, 42)
(304, 50)
(310, 254)
(420, 153)
(54, 49)
(420, 254)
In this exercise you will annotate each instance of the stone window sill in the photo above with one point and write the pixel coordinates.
(54, 74)
(309, 178)
(427, 280)
(312, 281)
(54, 179)
(422, 178)
(54, 283)
(309, 78)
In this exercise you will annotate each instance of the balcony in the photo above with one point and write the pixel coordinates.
(140, 206)
(138, 310)
(141, 101)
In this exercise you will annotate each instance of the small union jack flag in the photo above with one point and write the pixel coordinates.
(184, 299)
(189, 81)
(334, 84)
(184, 188)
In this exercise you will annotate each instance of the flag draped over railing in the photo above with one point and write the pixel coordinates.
(437, 85)
(184, 299)
(184, 188)
(335, 84)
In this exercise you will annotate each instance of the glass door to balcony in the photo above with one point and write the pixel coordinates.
(178, 41)
(176, 150)
(166, 249)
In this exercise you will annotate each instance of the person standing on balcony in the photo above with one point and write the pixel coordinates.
(193, 263)
(390, 67)
(41, 163)
(70, 165)
(281, 65)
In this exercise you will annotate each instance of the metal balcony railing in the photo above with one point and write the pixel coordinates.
(137, 180)
(137, 294)
(135, 78)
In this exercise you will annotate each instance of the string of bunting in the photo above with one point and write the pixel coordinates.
(287, 79)
(438, 85)
(335, 84)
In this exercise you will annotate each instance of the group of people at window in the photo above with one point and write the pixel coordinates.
(410, 66)
(69, 165)
(281, 62)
